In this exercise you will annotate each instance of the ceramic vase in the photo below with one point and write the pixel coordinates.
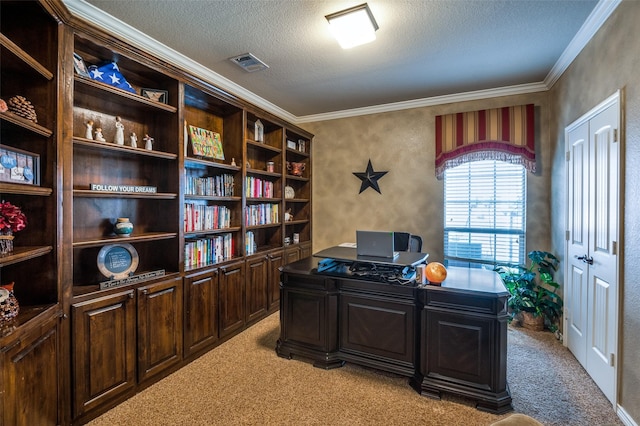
(123, 227)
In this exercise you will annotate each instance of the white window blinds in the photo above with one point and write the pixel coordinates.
(485, 205)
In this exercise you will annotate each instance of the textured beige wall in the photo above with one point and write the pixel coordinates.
(610, 61)
(402, 143)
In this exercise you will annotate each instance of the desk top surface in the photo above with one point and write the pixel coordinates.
(350, 254)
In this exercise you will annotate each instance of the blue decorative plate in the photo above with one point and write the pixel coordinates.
(117, 261)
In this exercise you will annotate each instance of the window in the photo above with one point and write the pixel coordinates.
(485, 205)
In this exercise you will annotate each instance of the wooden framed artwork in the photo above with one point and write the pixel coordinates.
(18, 166)
(156, 95)
(206, 143)
(80, 66)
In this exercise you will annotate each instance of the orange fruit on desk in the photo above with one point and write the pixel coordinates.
(435, 272)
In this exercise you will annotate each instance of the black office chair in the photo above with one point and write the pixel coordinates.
(415, 243)
(401, 241)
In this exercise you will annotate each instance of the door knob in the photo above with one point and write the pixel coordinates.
(586, 259)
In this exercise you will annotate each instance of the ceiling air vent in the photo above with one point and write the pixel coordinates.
(249, 62)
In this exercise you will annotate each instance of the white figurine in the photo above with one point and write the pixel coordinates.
(89, 132)
(134, 140)
(148, 142)
(99, 136)
(119, 138)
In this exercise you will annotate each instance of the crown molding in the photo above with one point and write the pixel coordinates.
(106, 22)
(594, 21)
(116, 27)
(424, 102)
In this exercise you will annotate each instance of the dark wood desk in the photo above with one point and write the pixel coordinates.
(449, 338)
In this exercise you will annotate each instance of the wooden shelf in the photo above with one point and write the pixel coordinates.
(25, 57)
(209, 163)
(189, 234)
(21, 254)
(93, 290)
(26, 124)
(268, 225)
(296, 200)
(296, 152)
(149, 236)
(263, 146)
(123, 94)
(211, 198)
(24, 189)
(103, 194)
(263, 173)
(263, 200)
(298, 178)
(31, 315)
(296, 222)
(92, 144)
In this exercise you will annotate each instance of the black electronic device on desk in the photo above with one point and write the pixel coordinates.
(345, 261)
(350, 254)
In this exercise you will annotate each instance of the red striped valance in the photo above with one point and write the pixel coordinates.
(505, 134)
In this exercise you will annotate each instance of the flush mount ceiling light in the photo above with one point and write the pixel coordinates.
(354, 26)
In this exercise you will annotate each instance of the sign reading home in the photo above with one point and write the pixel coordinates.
(136, 189)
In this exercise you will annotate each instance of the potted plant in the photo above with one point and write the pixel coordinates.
(534, 300)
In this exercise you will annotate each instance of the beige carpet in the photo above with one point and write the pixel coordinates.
(243, 382)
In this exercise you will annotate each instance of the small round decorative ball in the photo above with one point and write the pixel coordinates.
(435, 272)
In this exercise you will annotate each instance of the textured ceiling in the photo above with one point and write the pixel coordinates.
(423, 49)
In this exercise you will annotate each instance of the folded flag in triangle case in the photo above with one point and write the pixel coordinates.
(110, 73)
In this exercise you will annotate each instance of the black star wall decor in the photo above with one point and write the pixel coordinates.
(369, 178)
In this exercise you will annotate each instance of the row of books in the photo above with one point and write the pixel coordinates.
(215, 186)
(250, 243)
(256, 187)
(208, 249)
(261, 214)
(199, 217)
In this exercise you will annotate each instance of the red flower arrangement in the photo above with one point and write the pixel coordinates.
(11, 218)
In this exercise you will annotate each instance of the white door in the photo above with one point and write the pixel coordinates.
(592, 269)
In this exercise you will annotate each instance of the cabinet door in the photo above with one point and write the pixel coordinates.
(103, 350)
(231, 298)
(159, 327)
(256, 287)
(380, 330)
(201, 311)
(30, 379)
(276, 260)
(305, 250)
(292, 254)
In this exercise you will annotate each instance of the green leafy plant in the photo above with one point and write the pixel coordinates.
(533, 288)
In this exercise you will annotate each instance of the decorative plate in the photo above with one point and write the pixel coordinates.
(289, 192)
(117, 261)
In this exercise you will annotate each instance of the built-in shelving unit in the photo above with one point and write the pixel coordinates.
(29, 354)
(209, 232)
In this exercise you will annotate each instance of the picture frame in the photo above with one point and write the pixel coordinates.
(18, 166)
(292, 144)
(79, 66)
(156, 95)
(302, 145)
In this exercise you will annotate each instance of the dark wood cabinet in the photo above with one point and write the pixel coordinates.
(200, 311)
(159, 327)
(378, 325)
(231, 285)
(257, 283)
(29, 378)
(276, 260)
(464, 344)
(103, 350)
